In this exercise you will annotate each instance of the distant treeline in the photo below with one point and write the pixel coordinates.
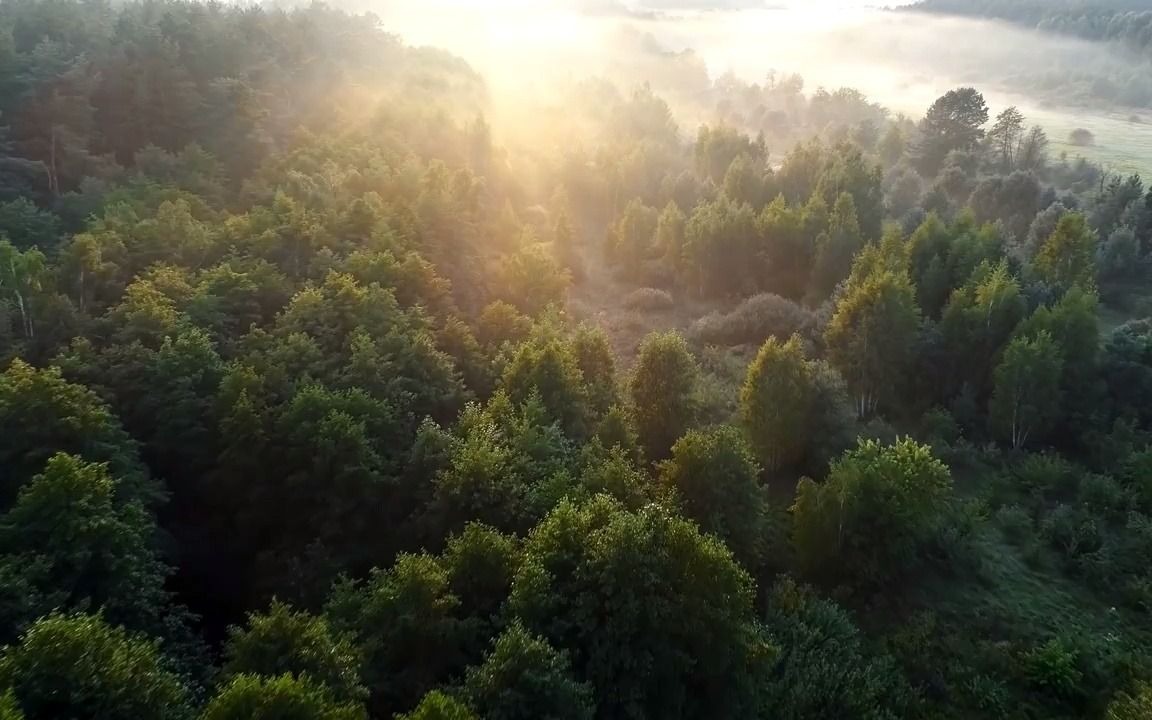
(1124, 21)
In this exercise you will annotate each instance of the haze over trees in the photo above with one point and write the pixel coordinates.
(329, 392)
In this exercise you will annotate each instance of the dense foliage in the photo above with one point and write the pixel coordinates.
(323, 397)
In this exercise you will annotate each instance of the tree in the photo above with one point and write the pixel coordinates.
(285, 642)
(836, 248)
(1004, 139)
(548, 368)
(717, 481)
(1135, 705)
(1068, 256)
(437, 705)
(633, 234)
(681, 608)
(79, 666)
(721, 249)
(954, 122)
(670, 234)
(875, 519)
(284, 697)
(661, 389)
(9, 710)
(597, 366)
(976, 325)
(870, 337)
(406, 623)
(524, 678)
(776, 403)
(27, 226)
(41, 414)
(70, 543)
(21, 278)
(533, 280)
(825, 668)
(1026, 400)
(565, 246)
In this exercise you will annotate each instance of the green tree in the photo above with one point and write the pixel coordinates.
(597, 365)
(406, 622)
(870, 337)
(836, 248)
(722, 249)
(70, 543)
(533, 280)
(1068, 256)
(1004, 139)
(1026, 400)
(565, 246)
(670, 234)
(283, 641)
(27, 226)
(1135, 705)
(875, 519)
(824, 668)
(22, 275)
(977, 323)
(661, 389)
(718, 482)
(285, 697)
(437, 705)
(41, 414)
(79, 666)
(524, 678)
(954, 122)
(549, 369)
(9, 709)
(681, 608)
(776, 403)
(633, 236)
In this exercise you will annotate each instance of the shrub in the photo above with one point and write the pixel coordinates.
(753, 321)
(649, 300)
(1081, 137)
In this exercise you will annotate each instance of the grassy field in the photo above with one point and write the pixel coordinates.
(1123, 142)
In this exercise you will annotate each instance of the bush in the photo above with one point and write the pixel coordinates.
(1081, 137)
(1016, 524)
(649, 300)
(754, 321)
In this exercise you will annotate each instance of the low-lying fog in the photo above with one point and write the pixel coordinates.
(900, 59)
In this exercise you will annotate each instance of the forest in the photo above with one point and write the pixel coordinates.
(336, 384)
(1127, 22)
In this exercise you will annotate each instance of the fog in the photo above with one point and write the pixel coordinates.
(900, 59)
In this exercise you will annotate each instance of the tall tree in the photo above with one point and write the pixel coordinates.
(1026, 400)
(875, 519)
(954, 122)
(716, 478)
(1004, 139)
(661, 390)
(1068, 256)
(871, 335)
(79, 666)
(776, 403)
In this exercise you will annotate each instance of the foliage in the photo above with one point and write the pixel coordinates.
(661, 392)
(876, 519)
(79, 666)
(524, 678)
(753, 321)
(287, 697)
(689, 620)
(287, 642)
(777, 404)
(1026, 399)
(717, 480)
